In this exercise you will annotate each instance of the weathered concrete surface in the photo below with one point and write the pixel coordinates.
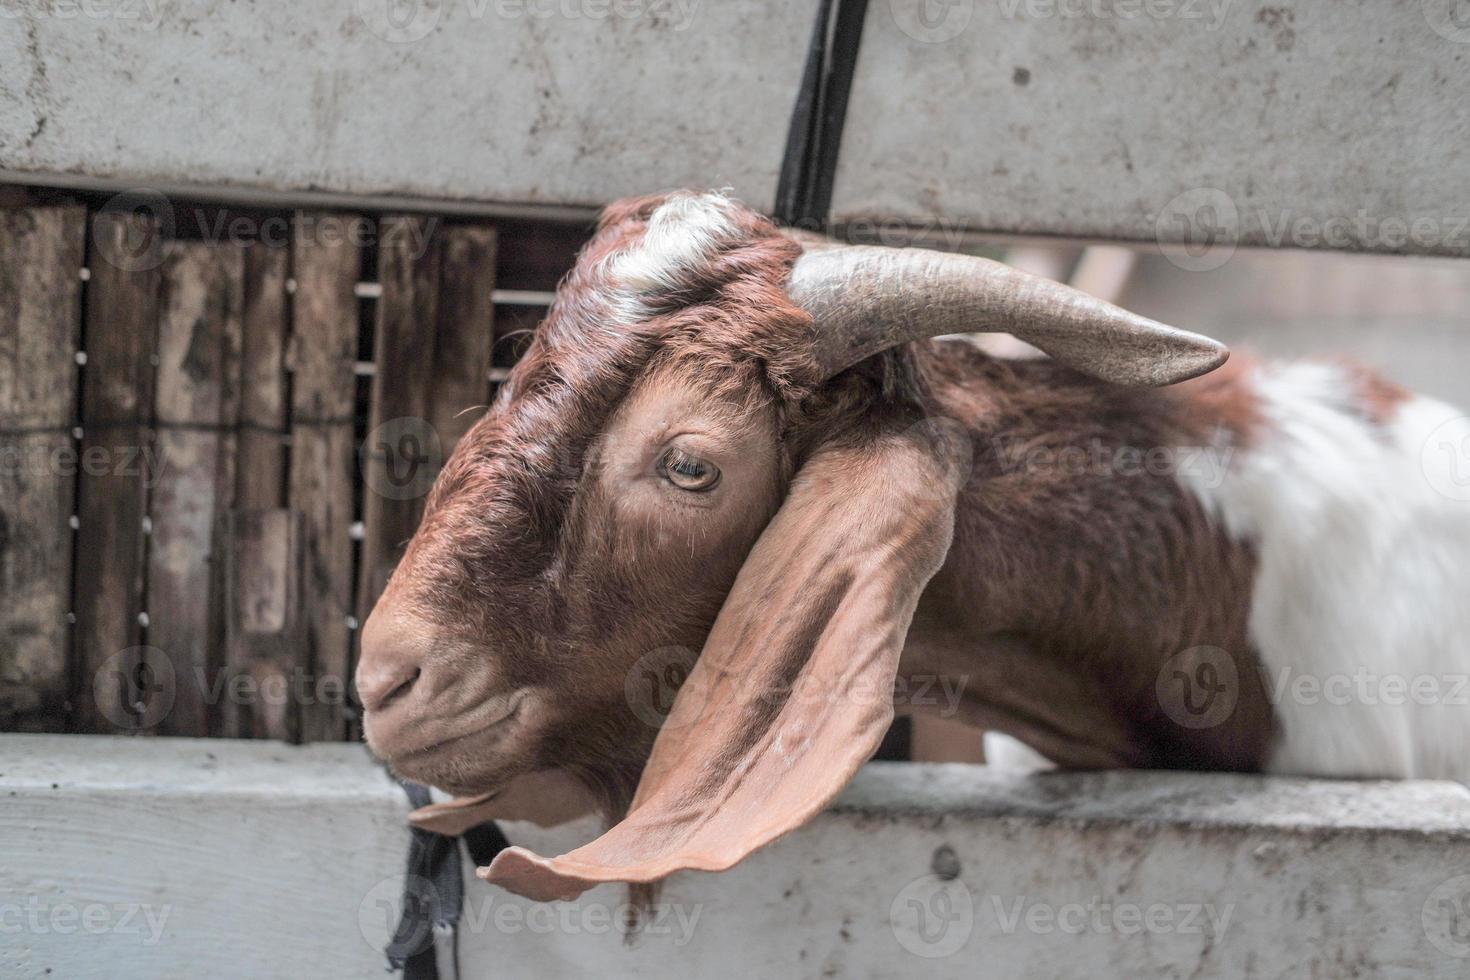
(479, 100)
(1300, 123)
(1296, 122)
(260, 860)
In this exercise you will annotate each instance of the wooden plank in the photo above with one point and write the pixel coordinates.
(322, 351)
(402, 449)
(465, 335)
(266, 687)
(259, 541)
(196, 407)
(263, 408)
(117, 397)
(40, 331)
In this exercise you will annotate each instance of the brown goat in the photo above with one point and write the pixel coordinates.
(727, 454)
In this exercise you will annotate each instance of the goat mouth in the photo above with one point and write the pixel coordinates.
(511, 712)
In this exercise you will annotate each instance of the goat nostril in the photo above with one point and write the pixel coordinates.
(401, 689)
(378, 690)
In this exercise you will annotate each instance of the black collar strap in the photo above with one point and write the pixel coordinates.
(433, 891)
(809, 167)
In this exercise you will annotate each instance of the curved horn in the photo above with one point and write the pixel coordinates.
(867, 298)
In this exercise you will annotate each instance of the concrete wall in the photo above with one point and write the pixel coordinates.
(150, 857)
(1295, 122)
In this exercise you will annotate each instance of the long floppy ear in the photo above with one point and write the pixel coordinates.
(793, 690)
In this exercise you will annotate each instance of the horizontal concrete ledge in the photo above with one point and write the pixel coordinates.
(1201, 123)
(142, 857)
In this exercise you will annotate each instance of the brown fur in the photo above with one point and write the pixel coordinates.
(1093, 579)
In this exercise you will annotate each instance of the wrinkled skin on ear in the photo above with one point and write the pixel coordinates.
(793, 690)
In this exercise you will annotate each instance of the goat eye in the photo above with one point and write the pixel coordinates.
(688, 472)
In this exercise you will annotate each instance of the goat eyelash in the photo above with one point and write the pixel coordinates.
(688, 472)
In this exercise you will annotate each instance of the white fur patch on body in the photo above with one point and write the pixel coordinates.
(683, 231)
(1011, 755)
(1361, 608)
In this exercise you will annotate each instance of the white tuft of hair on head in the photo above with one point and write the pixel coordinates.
(683, 231)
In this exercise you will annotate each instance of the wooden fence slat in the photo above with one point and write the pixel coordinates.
(264, 635)
(196, 406)
(401, 447)
(40, 329)
(262, 452)
(466, 332)
(117, 450)
(322, 352)
(260, 663)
